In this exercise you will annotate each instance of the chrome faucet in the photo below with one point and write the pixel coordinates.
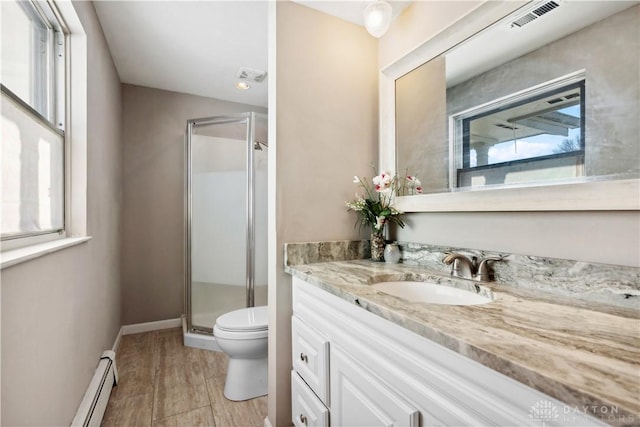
(466, 268)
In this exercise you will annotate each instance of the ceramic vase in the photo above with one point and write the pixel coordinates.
(392, 253)
(377, 247)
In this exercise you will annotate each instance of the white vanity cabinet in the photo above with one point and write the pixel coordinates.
(354, 368)
(358, 398)
(310, 375)
(306, 408)
(310, 357)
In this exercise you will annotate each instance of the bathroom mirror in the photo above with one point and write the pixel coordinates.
(547, 95)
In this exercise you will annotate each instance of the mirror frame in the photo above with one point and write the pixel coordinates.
(602, 195)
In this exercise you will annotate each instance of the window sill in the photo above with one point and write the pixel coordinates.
(17, 256)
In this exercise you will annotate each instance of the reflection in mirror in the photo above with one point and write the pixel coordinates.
(536, 138)
(422, 134)
(552, 100)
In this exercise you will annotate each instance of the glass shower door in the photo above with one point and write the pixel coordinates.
(218, 263)
(260, 157)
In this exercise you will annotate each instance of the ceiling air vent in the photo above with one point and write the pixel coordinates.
(251, 74)
(535, 12)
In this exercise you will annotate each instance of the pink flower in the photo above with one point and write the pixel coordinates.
(414, 185)
(414, 181)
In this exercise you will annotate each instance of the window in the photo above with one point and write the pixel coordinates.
(32, 74)
(529, 137)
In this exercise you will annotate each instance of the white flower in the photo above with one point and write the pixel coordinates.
(380, 220)
(382, 182)
(356, 205)
(356, 180)
(395, 211)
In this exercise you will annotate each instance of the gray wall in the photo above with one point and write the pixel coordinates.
(60, 311)
(421, 125)
(153, 127)
(326, 132)
(602, 237)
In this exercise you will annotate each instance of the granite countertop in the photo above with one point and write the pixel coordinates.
(583, 353)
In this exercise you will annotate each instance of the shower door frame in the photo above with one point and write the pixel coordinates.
(249, 119)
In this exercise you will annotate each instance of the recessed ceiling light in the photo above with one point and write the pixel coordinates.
(242, 86)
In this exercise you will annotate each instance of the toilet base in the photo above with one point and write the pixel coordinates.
(246, 379)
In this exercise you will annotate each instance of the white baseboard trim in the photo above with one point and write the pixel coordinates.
(116, 343)
(136, 328)
(267, 423)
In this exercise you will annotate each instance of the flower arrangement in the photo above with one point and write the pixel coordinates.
(376, 207)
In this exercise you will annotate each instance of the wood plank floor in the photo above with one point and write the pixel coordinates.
(163, 383)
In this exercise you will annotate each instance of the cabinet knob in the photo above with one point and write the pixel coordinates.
(303, 357)
(303, 419)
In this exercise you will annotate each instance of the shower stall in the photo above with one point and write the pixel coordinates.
(226, 219)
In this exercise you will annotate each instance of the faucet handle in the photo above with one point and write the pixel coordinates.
(485, 273)
(448, 257)
(461, 266)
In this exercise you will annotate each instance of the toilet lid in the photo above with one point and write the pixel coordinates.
(245, 319)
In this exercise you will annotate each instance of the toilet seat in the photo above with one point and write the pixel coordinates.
(244, 321)
(239, 335)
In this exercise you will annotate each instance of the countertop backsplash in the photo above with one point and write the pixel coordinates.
(604, 283)
(312, 252)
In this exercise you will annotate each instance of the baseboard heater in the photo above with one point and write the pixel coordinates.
(94, 402)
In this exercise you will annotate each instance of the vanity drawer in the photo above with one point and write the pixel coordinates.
(310, 357)
(306, 409)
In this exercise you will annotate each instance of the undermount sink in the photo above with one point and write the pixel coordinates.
(431, 293)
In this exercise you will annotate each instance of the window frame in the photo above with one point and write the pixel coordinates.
(10, 240)
(459, 151)
(71, 112)
(48, 81)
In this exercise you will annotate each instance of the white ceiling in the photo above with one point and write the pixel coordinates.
(197, 47)
(193, 47)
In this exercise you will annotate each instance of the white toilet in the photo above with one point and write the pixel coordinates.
(242, 335)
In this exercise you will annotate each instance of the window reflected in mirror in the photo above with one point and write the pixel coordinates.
(552, 101)
(536, 138)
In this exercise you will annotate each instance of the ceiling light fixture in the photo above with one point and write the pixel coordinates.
(242, 86)
(377, 18)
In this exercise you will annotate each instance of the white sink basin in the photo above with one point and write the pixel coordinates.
(431, 293)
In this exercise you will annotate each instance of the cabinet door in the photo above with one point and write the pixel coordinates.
(306, 408)
(310, 357)
(358, 398)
